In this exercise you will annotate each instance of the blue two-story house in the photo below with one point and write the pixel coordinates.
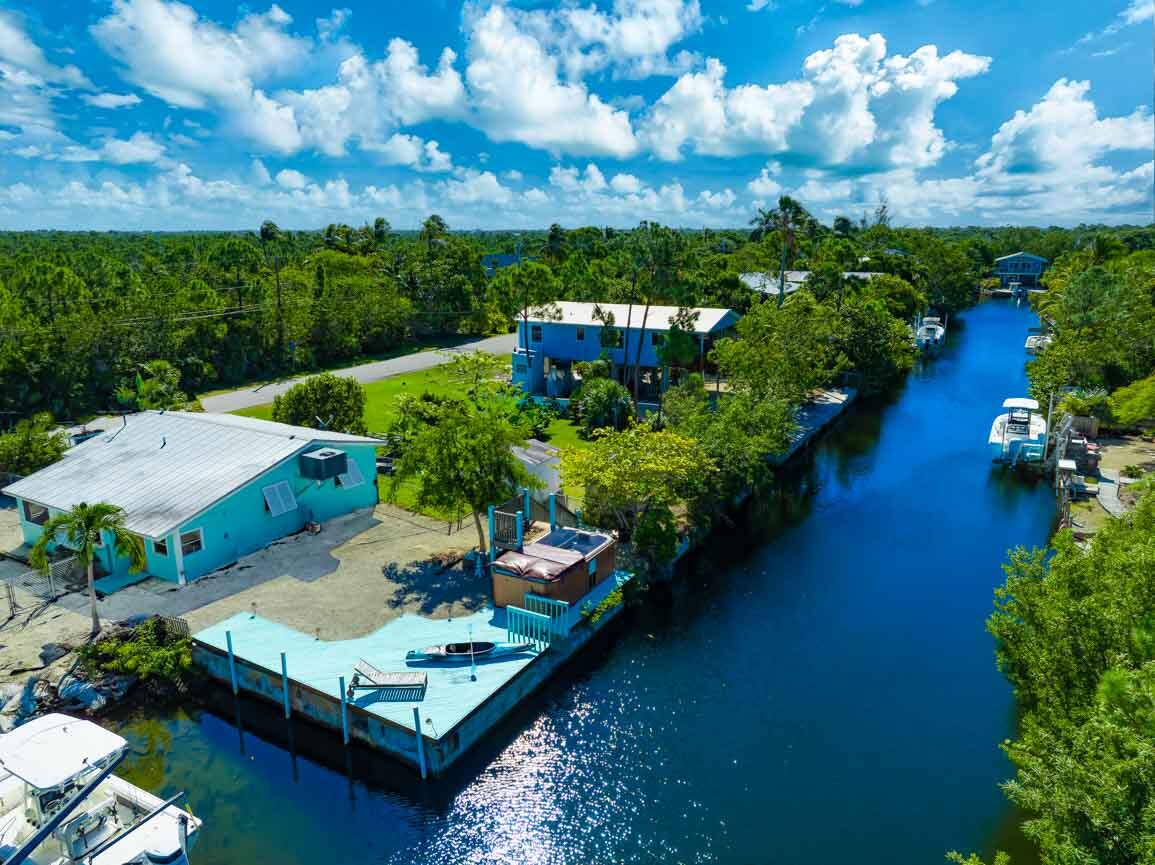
(554, 337)
(1020, 267)
(202, 490)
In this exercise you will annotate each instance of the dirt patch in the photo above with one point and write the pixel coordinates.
(357, 574)
(1122, 452)
(27, 632)
(1127, 452)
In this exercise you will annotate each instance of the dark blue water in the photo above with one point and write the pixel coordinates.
(818, 689)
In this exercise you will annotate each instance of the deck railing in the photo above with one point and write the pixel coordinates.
(557, 611)
(525, 626)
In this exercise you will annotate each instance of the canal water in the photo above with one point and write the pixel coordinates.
(819, 689)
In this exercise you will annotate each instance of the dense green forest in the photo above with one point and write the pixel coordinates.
(82, 314)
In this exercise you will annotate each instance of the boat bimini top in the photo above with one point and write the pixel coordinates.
(1021, 402)
(51, 750)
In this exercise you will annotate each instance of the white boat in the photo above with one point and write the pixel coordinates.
(60, 804)
(930, 333)
(1018, 434)
(1036, 342)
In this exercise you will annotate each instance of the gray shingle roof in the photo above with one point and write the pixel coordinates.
(164, 468)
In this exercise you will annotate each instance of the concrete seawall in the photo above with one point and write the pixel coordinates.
(442, 748)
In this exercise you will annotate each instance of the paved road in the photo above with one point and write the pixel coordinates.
(366, 372)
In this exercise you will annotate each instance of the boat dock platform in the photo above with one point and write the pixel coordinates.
(429, 727)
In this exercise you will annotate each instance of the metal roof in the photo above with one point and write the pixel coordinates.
(1020, 255)
(164, 468)
(767, 283)
(51, 749)
(658, 317)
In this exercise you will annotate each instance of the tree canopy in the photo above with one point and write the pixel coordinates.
(323, 401)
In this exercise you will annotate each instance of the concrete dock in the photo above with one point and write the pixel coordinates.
(823, 409)
(454, 711)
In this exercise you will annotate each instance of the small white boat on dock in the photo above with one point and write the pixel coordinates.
(1019, 434)
(930, 333)
(60, 804)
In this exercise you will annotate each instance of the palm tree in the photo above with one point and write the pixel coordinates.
(81, 530)
(554, 247)
(271, 238)
(787, 219)
(433, 229)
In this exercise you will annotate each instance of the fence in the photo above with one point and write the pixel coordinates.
(565, 512)
(522, 625)
(538, 511)
(174, 628)
(63, 576)
(558, 612)
(507, 532)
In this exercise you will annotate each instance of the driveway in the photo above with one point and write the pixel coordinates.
(364, 373)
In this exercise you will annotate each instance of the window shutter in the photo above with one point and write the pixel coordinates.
(352, 476)
(280, 499)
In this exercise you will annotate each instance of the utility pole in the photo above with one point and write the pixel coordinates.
(280, 314)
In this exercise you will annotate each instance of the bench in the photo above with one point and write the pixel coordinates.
(402, 685)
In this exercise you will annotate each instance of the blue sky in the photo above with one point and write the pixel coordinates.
(207, 114)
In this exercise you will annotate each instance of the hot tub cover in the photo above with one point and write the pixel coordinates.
(547, 563)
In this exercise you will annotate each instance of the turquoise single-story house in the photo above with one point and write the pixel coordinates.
(555, 336)
(202, 490)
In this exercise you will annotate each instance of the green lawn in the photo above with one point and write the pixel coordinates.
(381, 396)
(429, 344)
(564, 434)
(381, 408)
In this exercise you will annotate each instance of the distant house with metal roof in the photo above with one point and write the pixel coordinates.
(1020, 267)
(767, 283)
(553, 337)
(202, 490)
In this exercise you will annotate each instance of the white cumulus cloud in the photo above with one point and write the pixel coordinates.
(289, 178)
(111, 100)
(853, 105)
(517, 93)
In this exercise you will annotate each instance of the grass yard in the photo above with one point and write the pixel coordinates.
(1089, 516)
(381, 396)
(381, 408)
(428, 344)
(564, 433)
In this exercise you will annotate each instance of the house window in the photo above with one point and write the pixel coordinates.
(581, 334)
(35, 514)
(160, 547)
(656, 338)
(191, 542)
(535, 333)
